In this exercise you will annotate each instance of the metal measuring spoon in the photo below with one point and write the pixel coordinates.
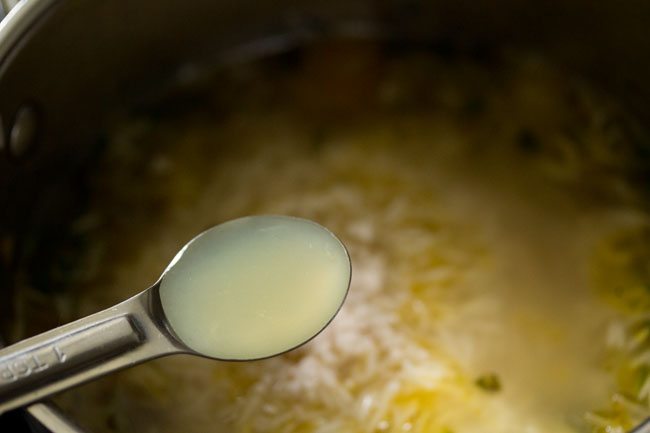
(266, 284)
(49, 416)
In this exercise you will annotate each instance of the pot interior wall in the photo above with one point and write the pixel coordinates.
(85, 57)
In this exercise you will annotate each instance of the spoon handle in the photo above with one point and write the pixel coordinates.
(80, 351)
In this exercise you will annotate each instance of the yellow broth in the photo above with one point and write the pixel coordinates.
(483, 205)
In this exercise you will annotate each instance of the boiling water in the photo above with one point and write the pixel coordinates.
(476, 201)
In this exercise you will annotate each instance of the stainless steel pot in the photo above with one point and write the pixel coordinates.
(66, 65)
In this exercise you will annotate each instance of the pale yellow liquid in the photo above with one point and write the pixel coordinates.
(255, 287)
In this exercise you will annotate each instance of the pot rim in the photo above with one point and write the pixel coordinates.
(18, 21)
